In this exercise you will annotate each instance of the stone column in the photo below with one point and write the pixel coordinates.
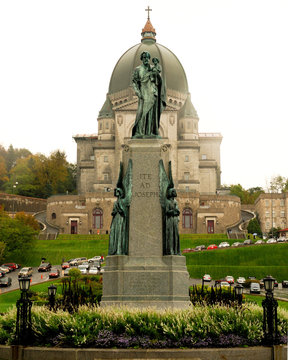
(144, 277)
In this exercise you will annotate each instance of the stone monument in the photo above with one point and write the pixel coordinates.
(144, 267)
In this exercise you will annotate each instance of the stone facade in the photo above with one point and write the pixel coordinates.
(272, 211)
(13, 203)
(195, 156)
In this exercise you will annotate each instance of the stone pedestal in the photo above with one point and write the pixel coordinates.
(145, 277)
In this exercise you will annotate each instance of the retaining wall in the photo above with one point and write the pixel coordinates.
(35, 353)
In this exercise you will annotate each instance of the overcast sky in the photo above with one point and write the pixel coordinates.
(57, 58)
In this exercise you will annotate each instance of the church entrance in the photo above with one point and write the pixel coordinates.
(74, 227)
(210, 226)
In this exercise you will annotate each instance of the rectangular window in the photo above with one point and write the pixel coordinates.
(187, 188)
(267, 214)
(107, 125)
(282, 213)
(186, 158)
(204, 157)
(186, 175)
(267, 225)
(105, 158)
(282, 202)
(105, 176)
(267, 202)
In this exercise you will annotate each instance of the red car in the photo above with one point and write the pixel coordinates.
(54, 273)
(65, 265)
(13, 266)
(187, 251)
(212, 246)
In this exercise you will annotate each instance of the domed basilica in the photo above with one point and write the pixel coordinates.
(195, 156)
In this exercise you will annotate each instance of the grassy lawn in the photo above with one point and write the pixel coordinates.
(258, 300)
(8, 300)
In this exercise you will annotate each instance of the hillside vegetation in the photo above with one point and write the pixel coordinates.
(247, 261)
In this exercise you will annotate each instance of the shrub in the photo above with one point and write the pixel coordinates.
(198, 326)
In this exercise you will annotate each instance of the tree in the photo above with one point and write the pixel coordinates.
(247, 196)
(16, 235)
(254, 227)
(278, 184)
(28, 220)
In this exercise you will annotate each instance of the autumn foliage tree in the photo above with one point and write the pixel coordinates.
(36, 175)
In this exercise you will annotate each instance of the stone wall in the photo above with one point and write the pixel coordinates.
(15, 203)
(35, 353)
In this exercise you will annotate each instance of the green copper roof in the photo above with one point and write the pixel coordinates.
(172, 69)
(188, 109)
(106, 111)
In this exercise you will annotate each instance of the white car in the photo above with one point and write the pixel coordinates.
(224, 244)
(224, 284)
(229, 279)
(241, 280)
(84, 269)
(94, 270)
(271, 241)
(207, 277)
(281, 239)
(94, 258)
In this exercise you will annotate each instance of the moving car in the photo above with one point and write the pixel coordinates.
(207, 277)
(241, 280)
(254, 288)
(25, 272)
(5, 281)
(44, 267)
(54, 273)
(224, 244)
(212, 247)
(229, 279)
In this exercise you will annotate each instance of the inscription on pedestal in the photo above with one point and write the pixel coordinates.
(142, 284)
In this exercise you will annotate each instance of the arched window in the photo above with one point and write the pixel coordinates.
(187, 219)
(53, 216)
(97, 218)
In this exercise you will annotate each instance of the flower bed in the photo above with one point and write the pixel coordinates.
(95, 327)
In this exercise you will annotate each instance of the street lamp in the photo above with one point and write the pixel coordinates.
(52, 289)
(238, 292)
(269, 312)
(23, 322)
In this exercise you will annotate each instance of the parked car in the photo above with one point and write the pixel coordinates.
(212, 247)
(65, 265)
(241, 280)
(207, 277)
(254, 288)
(224, 284)
(25, 272)
(84, 268)
(5, 269)
(94, 270)
(5, 281)
(229, 279)
(66, 272)
(224, 244)
(14, 266)
(77, 261)
(200, 247)
(236, 244)
(271, 241)
(184, 251)
(94, 258)
(285, 284)
(54, 273)
(248, 242)
(260, 242)
(44, 267)
(281, 239)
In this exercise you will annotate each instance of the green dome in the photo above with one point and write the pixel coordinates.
(172, 70)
